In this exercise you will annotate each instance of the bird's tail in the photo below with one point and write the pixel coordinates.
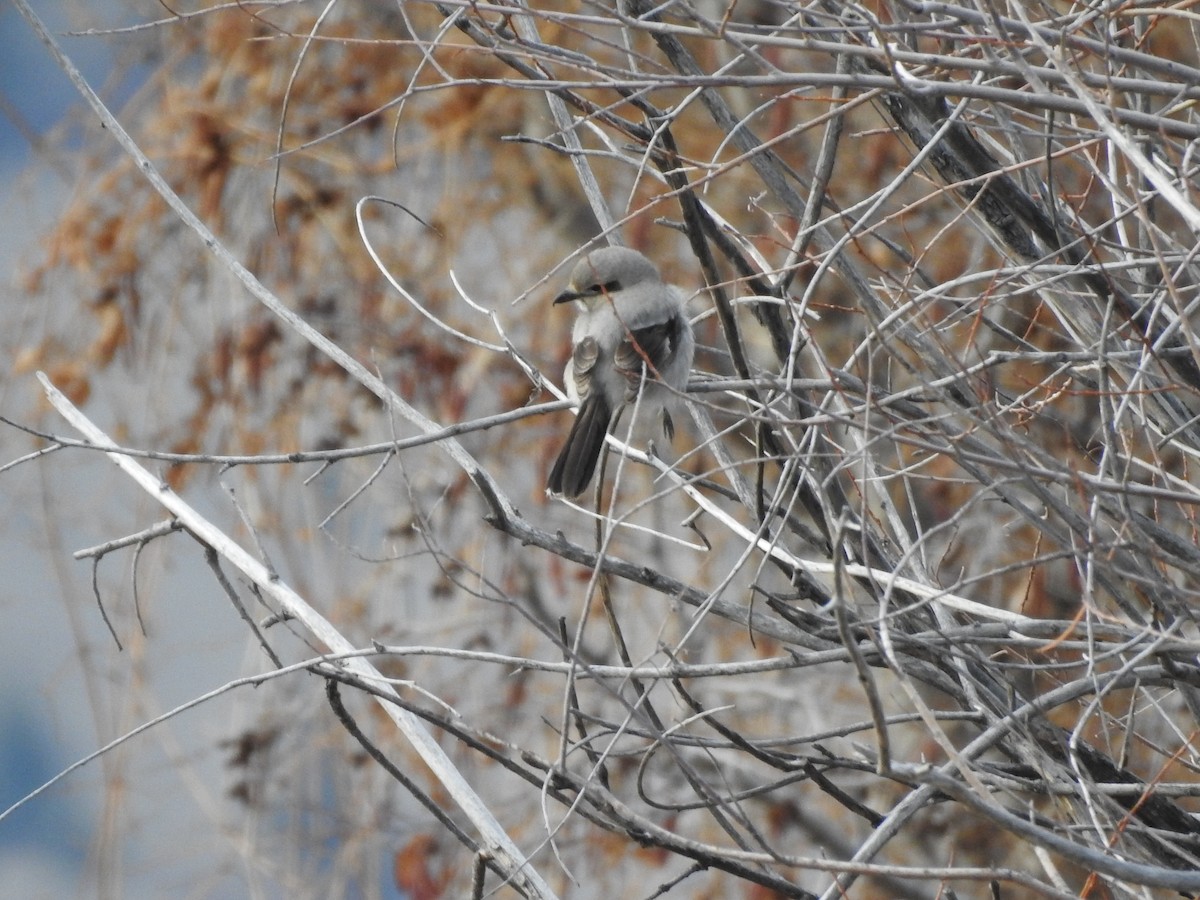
(576, 461)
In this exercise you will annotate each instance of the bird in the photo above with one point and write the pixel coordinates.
(632, 329)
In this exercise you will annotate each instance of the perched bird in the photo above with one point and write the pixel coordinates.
(629, 323)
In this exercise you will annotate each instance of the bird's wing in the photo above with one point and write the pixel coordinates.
(583, 363)
(655, 344)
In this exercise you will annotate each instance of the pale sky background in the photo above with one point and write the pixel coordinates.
(43, 725)
(174, 831)
(42, 846)
(48, 709)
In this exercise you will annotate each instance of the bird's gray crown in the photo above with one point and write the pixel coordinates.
(606, 270)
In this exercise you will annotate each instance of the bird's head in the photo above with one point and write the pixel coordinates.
(604, 272)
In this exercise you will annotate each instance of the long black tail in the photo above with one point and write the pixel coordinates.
(577, 461)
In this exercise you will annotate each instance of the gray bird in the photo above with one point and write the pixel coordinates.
(629, 322)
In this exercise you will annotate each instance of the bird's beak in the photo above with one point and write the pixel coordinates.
(567, 296)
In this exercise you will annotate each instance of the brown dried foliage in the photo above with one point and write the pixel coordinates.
(502, 213)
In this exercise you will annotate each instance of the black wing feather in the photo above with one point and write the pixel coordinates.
(655, 344)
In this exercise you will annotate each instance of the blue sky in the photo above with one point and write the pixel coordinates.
(61, 676)
(34, 93)
(44, 724)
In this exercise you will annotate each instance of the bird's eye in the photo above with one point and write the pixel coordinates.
(597, 289)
